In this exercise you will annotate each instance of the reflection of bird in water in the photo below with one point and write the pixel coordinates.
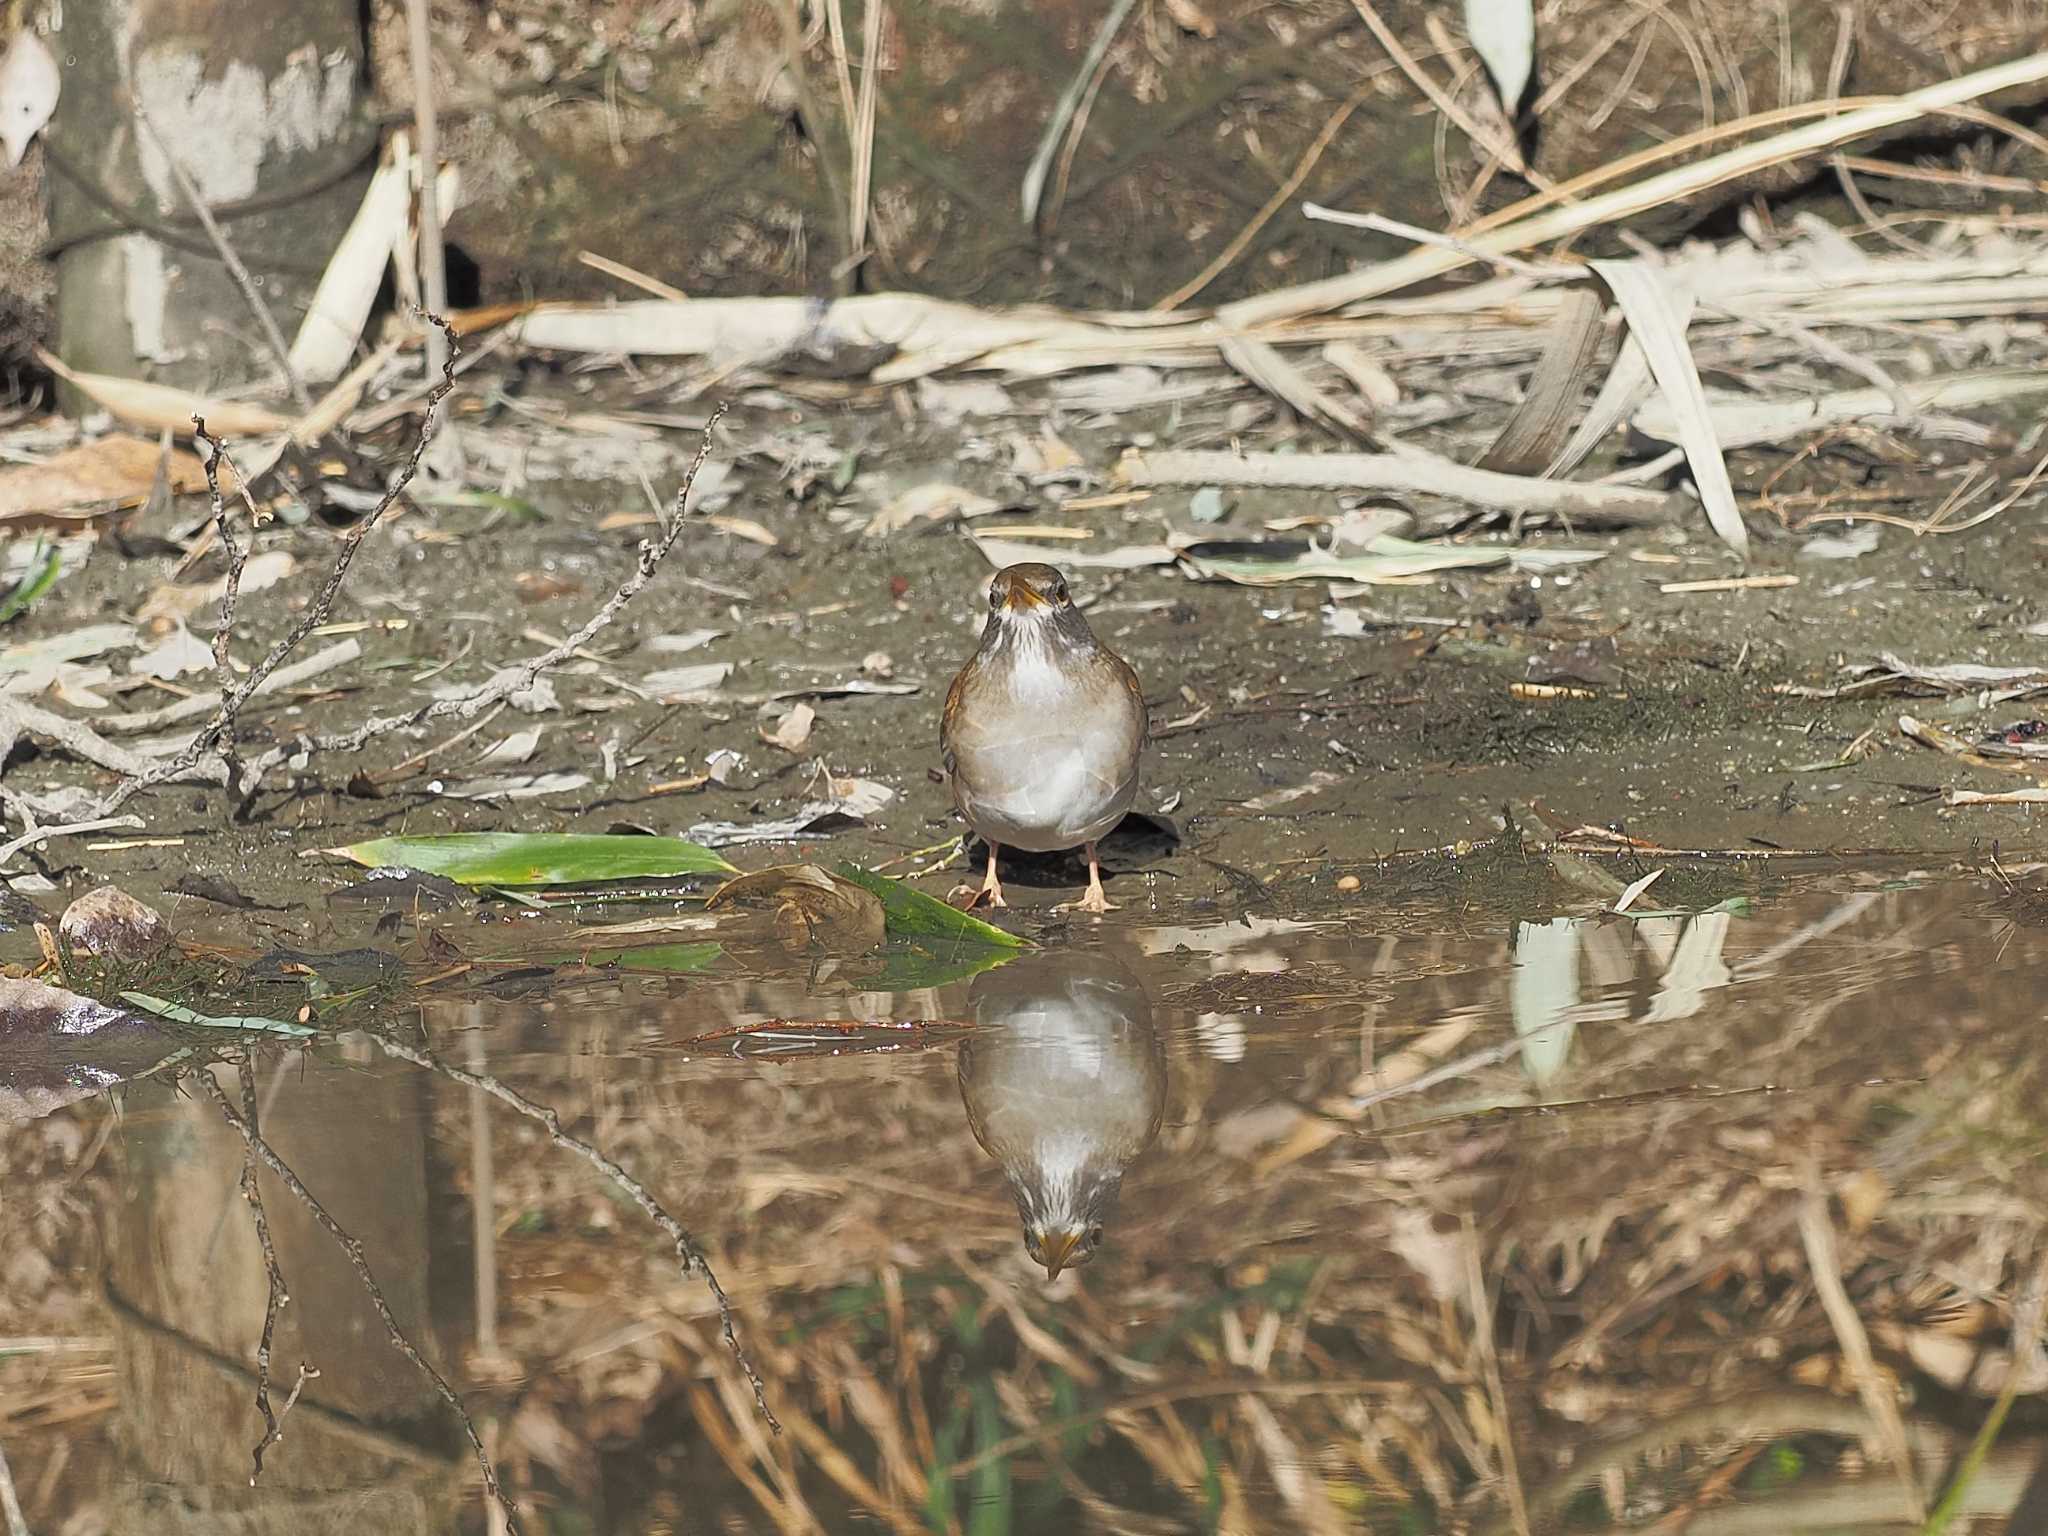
(1064, 1080)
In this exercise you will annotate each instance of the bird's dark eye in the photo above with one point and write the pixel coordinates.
(1059, 591)
(1094, 1236)
(995, 596)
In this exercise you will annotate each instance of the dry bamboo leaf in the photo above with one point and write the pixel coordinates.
(1537, 430)
(742, 528)
(158, 406)
(1416, 473)
(118, 470)
(2038, 795)
(1741, 421)
(1264, 366)
(173, 603)
(1655, 320)
(348, 288)
(934, 502)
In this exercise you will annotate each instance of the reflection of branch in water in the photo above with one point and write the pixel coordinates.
(687, 1253)
(277, 1295)
(354, 1249)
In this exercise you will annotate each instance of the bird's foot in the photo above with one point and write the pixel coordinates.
(1093, 900)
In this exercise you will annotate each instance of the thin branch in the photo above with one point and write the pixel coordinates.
(237, 557)
(354, 1249)
(316, 612)
(517, 679)
(36, 836)
(687, 1252)
(277, 1295)
(272, 336)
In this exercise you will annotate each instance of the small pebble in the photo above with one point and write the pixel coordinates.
(1347, 883)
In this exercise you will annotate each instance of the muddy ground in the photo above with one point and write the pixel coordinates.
(1670, 726)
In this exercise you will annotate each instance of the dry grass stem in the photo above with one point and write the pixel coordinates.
(1817, 1232)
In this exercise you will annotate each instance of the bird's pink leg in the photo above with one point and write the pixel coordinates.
(1095, 900)
(992, 888)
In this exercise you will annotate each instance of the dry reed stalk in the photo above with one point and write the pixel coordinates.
(1282, 195)
(1537, 221)
(1824, 1264)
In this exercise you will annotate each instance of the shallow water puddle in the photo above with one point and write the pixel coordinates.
(1437, 1221)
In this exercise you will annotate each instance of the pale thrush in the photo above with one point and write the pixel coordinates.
(1043, 728)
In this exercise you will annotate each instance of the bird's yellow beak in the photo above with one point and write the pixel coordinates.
(1021, 598)
(1059, 1248)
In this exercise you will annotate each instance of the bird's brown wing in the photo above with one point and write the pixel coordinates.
(950, 715)
(1127, 676)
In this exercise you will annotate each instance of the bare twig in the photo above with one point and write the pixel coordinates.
(36, 836)
(326, 659)
(272, 336)
(276, 1295)
(237, 557)
(316, 612)
(353, 1247)
(687, 1252)
(517, 679)
(18, 718)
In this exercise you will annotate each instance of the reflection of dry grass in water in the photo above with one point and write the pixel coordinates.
(1282, 1334)
(1279, 1332)
(56, 1370)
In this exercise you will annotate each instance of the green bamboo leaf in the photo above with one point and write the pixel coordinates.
(43, 565)
(538, 858)
(178, 1013)
(910, 967)
(671, 959)
(911, 914)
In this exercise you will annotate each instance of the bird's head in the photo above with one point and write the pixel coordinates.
(1030, 593)
(1062, 1244)
(1063, 1212)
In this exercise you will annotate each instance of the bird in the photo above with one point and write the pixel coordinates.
(1043, 729)
(1064, 1080)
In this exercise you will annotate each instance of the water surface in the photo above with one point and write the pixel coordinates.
(1439, 1218)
